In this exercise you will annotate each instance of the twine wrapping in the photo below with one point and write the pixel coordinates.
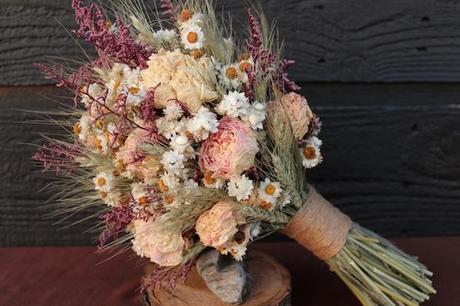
(319, 226)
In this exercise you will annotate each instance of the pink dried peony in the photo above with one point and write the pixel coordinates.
(162, 247)
(230, 151)
(298, 112)
(218, 225)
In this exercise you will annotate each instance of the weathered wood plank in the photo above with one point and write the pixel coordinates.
(354, 40)
(392, 160)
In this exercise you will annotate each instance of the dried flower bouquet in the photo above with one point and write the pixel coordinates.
(184, 138)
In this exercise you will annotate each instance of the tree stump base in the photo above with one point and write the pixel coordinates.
(271, 286)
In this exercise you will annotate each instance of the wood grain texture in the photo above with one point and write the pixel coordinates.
(331, 40)
(392, 160)
(271, 286)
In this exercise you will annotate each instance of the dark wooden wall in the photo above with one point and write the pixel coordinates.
(383, 75)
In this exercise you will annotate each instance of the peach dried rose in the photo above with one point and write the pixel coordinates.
(297, 110)
(230, 151)
(219, 225)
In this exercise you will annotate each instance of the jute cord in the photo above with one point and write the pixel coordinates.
(319, 226)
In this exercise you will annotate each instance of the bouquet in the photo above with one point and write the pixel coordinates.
(184, 138)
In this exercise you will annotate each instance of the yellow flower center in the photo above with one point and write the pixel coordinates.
(101, 181)
(169, 199)
(196, 54)
(265, 205)
(192, 37)
(231, 72)
(77, 128)
(185, 15)
(163, 186)
(133, 90)
(309, 152)
(208, 178)
(102, 194)
(143, 200)
(270, 189)
(245, 66)
(99, 125)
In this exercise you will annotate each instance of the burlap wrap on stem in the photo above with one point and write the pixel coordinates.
(319, 226)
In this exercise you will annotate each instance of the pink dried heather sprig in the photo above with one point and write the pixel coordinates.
(255, 43)
(166, 277)
(57, 156)
(170, 10)
(115, 43)
(266, 61)
(72, 81)
(116, 220)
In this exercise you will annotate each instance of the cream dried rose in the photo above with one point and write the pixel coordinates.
(180, 76)
(159, 245)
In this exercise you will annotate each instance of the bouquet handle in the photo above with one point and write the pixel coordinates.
(376, 271)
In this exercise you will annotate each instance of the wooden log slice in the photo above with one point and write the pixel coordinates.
(271, 286)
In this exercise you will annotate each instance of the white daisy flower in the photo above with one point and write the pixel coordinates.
(173, 162)
(231, 76)
(240, 187)
(104, 181)
(269, 191)
(202, 124)
(234, 104)
(311, 155)
(256, 116)
(192, 36)
(102, 142)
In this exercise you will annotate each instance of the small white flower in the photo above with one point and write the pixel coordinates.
(269, 191)
(202, 124)
(192, 36)
(230, 76)
(311, 155)
(139, 192)
(256, 116)
(170, 128)
(111, 198)
(170, 181)
(240, 187)
(181, 144)
(285, 199)
(91, 92)
(314, 141)
(196, 19)
(164, 36)
(173, 162)
(103, 143)
(254, 231)
(173, 111)
(234, 104)
(104, 181)
(84, 126)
